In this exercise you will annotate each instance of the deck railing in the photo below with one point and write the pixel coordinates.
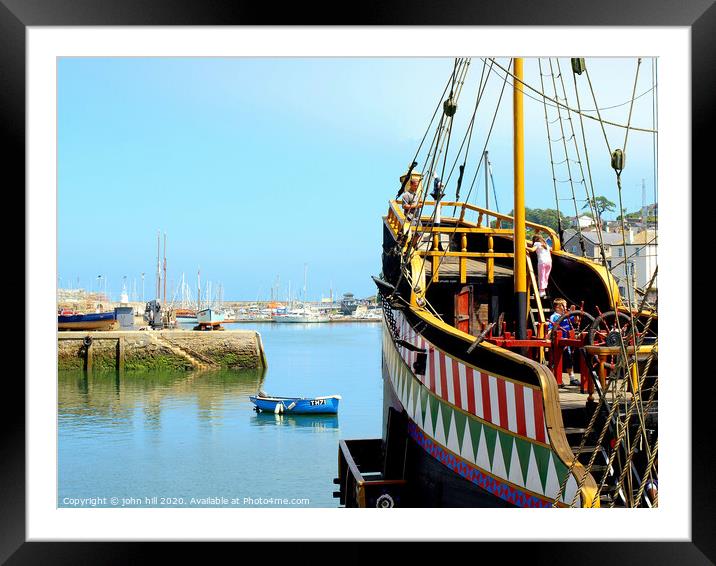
(469, 221)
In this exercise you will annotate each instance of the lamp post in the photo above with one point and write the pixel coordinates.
(142, 286)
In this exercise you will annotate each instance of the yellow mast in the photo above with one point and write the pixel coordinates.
(520, 266)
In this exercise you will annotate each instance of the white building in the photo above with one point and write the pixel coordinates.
(582, 221)
(634, 259)
(592, 249)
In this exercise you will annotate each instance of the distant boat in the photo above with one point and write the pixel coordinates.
(210, 317)
(296, 405)
(304, 315)
(91, 321)
(186, 316)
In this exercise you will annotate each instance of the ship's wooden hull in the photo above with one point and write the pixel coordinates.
(429, 483)
(485, 434)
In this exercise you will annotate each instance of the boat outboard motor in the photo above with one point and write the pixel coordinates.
(153, 315)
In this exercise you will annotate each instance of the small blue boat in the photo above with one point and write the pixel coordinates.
(90, 321)
(296, 405)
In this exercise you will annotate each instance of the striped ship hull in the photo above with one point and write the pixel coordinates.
(478, 438)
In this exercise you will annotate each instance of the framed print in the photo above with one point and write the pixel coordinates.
(264, 147)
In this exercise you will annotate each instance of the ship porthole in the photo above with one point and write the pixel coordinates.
(385, 501)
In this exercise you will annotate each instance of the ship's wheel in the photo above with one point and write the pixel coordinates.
(613, 329)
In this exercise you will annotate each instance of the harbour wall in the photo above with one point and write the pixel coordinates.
(167, 349)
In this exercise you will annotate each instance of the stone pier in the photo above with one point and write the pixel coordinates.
(165, 349)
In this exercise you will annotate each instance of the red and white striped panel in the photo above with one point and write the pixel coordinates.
(509, 405)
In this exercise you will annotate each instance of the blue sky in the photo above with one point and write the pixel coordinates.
(257, 167)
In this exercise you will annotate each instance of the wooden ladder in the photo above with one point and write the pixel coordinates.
(539, 309)
(538, 299)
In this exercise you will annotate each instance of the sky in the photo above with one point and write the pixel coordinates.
(265, 172)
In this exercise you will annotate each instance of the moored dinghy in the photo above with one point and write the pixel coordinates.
(89, 321)
(296, 405)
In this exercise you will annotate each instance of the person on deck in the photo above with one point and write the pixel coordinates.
(411, 206)
(411, 202)
(544, 262)
(560, 308)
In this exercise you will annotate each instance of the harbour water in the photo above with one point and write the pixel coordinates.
(192, 439)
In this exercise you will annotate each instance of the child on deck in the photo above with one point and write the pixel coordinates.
(560, 308)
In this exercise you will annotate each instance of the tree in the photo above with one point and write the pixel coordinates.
(601, 204)
(545, 216)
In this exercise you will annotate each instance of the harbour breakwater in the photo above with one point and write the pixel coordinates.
(167, 349)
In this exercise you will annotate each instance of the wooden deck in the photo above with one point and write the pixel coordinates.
(570, 396)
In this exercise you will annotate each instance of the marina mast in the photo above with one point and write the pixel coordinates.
(159, 274)
(164, 300)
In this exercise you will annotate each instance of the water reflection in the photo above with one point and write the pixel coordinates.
(316, 423)
(193, 434)
(113, 399)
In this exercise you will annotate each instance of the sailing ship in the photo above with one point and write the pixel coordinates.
(476, 413)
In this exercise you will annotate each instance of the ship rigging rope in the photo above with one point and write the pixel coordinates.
(602, 399)
(460, 70)
(629, 283)
(623, 436)
(655, 141)
(446, 144)
(636, 399)
(461, 67)
(636, 402)
(623, 426)
(619, 395)
(579, 159)
(472, 184)
(439, 140)
(447, 84)
(648, 476)
(468, 133)
(464, 65)
(551, 157)
(481, 89)
(427, 130)
(576, 111)
(626, 466)
(591, 199)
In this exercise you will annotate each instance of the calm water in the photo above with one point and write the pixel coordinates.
(189, 435)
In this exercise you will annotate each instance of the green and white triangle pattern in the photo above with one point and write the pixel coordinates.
(515, 459)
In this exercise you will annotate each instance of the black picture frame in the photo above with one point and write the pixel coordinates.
(698, 15)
